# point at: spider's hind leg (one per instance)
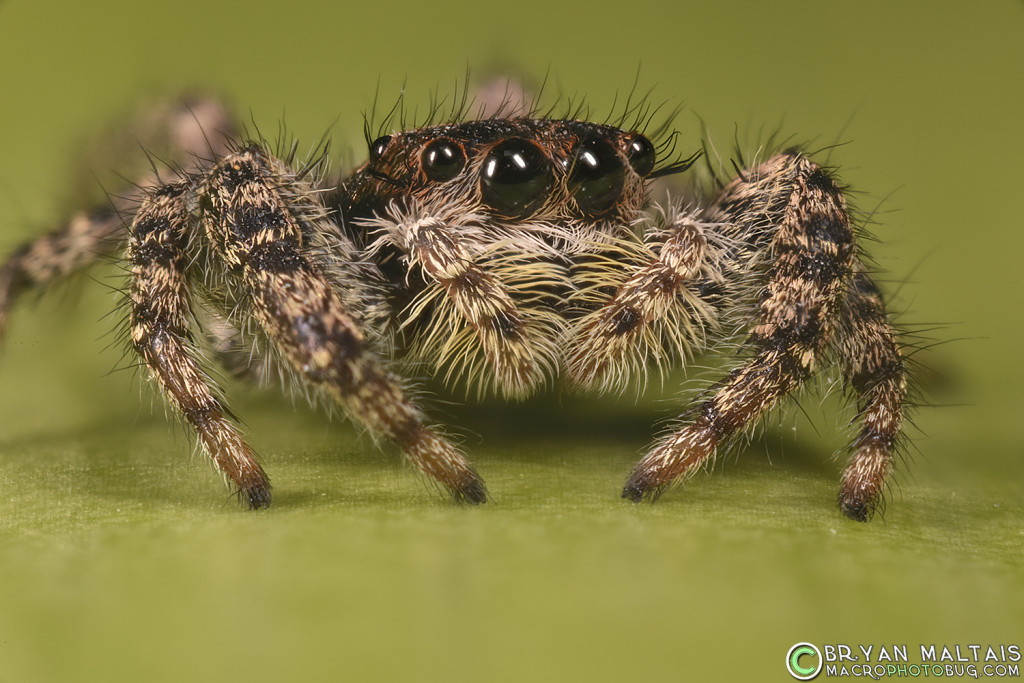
(187, 133)
(87, 238)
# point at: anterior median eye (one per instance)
(596, 176)
(641, 155)
(442, 160)
(516, 178)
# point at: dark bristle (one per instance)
(677, 166)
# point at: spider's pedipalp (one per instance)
(476, 326)
(653, 317)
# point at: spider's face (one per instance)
(514, 170)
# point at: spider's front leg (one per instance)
(158, 251)
(790, 208)
(873, 367)
(264, 225)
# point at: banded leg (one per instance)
(307, 318)
(812, 254)
(86, 239)
(159, 319)
(873, 366)
(189, 132)
(649, 315)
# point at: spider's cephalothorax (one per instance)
(503, 254)
(496, 238)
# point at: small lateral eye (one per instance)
(378, 147)
(442, 160)
(596, 176)
(641, 154)
(516, 178)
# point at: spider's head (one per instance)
(514, 170)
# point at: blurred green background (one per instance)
(122, 558)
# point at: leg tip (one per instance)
(644, 485)
(856, 508)
(257, 496)
(471, 492)
(634, 492)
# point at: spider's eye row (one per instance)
(596, 176)
(641, 154)
(442, 160)
(516, 178)
(378, 147)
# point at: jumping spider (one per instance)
(504, 253)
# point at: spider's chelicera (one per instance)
(504, 254)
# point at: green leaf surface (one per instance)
(123, 557)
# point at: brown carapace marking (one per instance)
(504, 254)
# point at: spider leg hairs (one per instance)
(503, 254)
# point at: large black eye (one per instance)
(641, 155)
(377, 148)
(515, 178)
(442, 160)
(596, 176)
